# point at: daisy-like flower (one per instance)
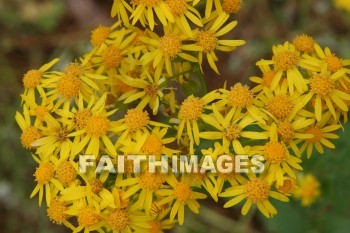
(263, 83)
(322, 131)
(308, 189)
(285, 61)
(257, 191)
(230, 128)
(179, 195)
(191, 110)
(183, 12)
(104, 35)
(323, 88)
(166, 48)
(56, 213)
(239, 98)
(150, 94)
(209, 40)
(32, 82)
(277, 157)
(325, 60)
(288, 187)
(144, 12)
(304, 44)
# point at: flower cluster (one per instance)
(126, 96)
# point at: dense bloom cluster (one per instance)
(126, 96)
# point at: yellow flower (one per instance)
(304, 43)
(30, 133)
(161, 222)
(104, 35)
(209, 40)
(308, 190)
(285, 61)
(56, 212)
(191, 110)
(256, 191)
(179, 195)
(321, 132)
(288, 187)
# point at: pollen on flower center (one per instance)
(280, 106)
(287, 187)
(65, 173)
(322, 85)
(285, 60)
(88, 216)
(182, 192)
(275, 152)
(119, 219)
(286, 131)
(44, 173)
(96, 185)
(81, 117)
(304, 43)
(240, 96)
(257, 190)
(69, 86)
(333, 63)
(268, 78)
(232, 6)
(30, 135)
(232, 132)
(177, 7)
(153, 145)
(112, 57)
(32, 78)
(191, 108)
(316, 132)
(151, 90)
(56, 211)
(207, 40)
(62, 134)
(151, 181)
(74, 69)
(97, 126)
(136, 119)
(99, 35)
(170, 45)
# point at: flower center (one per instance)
(44, 173)
(65, 173)
(333, 63)
(177, 7)
(32, 78)
(99, 35)
(182, 192)
(30, 135)
(153, 145)
(191, 108)
(304, 43)
(151, 181)
(268, 78)
(275, 152)
(136, 119)
(40, 112)
(286, 131)
(61, 134)
(88, 216)
(81, 117)
(170, 45)
(232, 132)
(232, 6)
(280, 106)
(207, 41)
(119, 219)
(69, 86)
(287, 187)
(97, 126)
(240, 96)
(56, 211)
(257, 190)
(151, 90)
(322, 85)
(96, 185)
(112, 57)
(74, 69)
(316, 131)
(285, 60)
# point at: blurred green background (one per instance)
(34, 31)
